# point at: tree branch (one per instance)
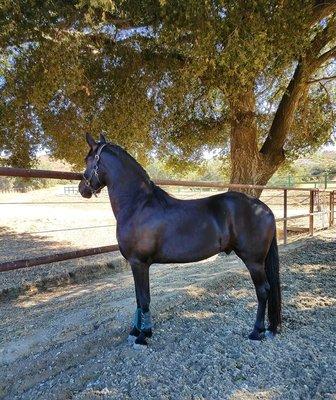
(298, 88)
(326, 56)
(321, 40)
(322, 9)
(283, 118)
(324, 78)
(329, 99)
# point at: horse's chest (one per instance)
(124, 238)
(135, 241)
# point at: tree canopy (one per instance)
(250, 80)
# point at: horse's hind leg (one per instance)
(258, 275)
(142, 325)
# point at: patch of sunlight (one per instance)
(251, 304)
(198, 314)
(244, 394)
(98, 394)
(206, 260)
(195, 292)
(28, 304)
(308, 301)
(310, 269)
(46, 297)
(238, 293)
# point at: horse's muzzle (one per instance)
(84, 190)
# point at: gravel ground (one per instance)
(70, 342)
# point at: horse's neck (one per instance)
(126, 196)
(127, 187)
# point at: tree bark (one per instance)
(248, 165)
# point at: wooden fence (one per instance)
(25, 173)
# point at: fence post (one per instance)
(331, 207)
(285, 217)
(311, 211)
(289, 181)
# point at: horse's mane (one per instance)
(128, 159)
(160, 194)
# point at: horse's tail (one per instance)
(272, 274)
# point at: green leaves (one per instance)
(167, 76)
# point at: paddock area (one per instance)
(69, 342)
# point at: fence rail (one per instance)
(26, 173)
(39, 173)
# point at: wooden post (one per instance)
(285, 217)
(311, 211)
(331, 208)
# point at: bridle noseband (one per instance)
(94, 172)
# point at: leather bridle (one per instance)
(94, 172)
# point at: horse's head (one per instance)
(93, 177)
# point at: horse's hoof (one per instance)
(256, 336)
(148, 333)
(269, 335)
(140, 342)
(141, 347)
(135, 332)
(141, 339)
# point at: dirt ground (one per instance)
(70, 342)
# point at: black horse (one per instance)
(153, 227)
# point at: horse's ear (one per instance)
(90, 141)
(102, 138)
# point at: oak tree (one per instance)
(249, 80)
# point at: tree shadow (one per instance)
(297, 364)
(16, 246)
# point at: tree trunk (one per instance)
(248, 165)
(254, 166)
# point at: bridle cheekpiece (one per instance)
(94, 172)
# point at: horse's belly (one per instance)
(188, 245)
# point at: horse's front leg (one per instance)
(142, 324)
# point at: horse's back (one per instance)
(219, 223)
